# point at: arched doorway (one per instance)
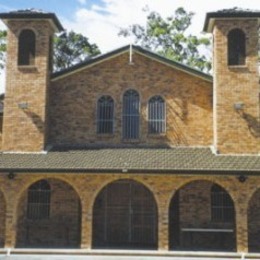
(125, 216)
(202, 217)
(254, 223)
(49, 216)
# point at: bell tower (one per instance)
(28, 69)
(236, 80)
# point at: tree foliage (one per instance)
(168, 37)
(71, 48)
(3, 34)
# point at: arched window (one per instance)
(236, 47)
(105, 115)
(51, 53)
(222, 206)
(156, 115)
(131, 103)
(26, 52)
(38, 206)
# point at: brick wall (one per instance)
(72, 109)
(61, 229)
(163, 187)
(236, 131)
(188, 102)
(2, 220)
(195, 212)
(1, 130)
(24, 129)
(254, 222)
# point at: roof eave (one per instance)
(133, 171)
(89, 63)
(51, 17)
(138, 49)
(175, 64)
(211, 17)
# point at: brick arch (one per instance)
(27, 47)
(253, 218)
(226, 30)
(61, 228)
(100, 95)
(137, 90)
(125, 215)
(239, 49)
(131, 88)
(251, 192)
(162, 95)
(31, 181)
(191, 226)
(20, 30)
(185, 182)
(111, 179)
(235, 28)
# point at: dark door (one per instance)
(125, 216)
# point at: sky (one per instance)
(101, 20)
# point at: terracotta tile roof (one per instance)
(160, 160)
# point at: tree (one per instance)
(3, 34)
(168, 37)
(71, 48)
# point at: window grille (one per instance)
(26, 52)
(156, 115)
(105, 115)
(38, 206)
(125, 216)
(236, 47)
(222, 207)
(131, 103)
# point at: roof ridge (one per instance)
(99, 58)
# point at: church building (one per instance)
(130, 150)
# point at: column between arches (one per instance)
(11, 219)
(163, 196)
(241, 204)
(163, 224)
(86, 220)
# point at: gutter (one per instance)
(136, 171)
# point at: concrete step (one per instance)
(141, 253)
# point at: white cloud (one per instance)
(2, 82)
(101, 23)
(2, 26)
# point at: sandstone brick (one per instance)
(63, 111)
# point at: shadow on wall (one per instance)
(178, 117)
(253, 124)
(79, 131)
(36, 120)
(187, 99)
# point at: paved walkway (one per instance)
(89, 257)
(79, 254)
